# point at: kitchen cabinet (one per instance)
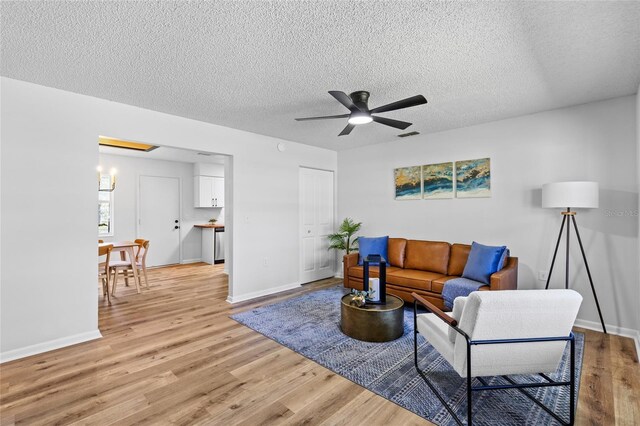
(208, 191)
(212, 243)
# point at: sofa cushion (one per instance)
(430, 256)
(396, 252)
(368, 246)
(374, 272)
(458, 258)
(412, 278)
(482, 262)
(437, 284)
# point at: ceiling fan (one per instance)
(361, 114)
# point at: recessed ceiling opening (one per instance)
(120, 143)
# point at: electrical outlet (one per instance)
(543, 275)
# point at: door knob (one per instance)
(176, 227)
(176, 221)
(309, 231)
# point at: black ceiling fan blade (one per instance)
(347, 129)
(405, 103)
(344, 99)
(323, 117)
(391, 122)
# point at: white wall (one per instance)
(48, 286)
(638, 207)
(588, 142)
(49, 155)
(126, 199)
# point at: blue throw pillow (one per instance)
(503, 259)
(482, 262)
(367, 246)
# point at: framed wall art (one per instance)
(437, 181)
(473, 178)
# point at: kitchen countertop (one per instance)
(209, 225)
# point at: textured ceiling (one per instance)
(256, 66)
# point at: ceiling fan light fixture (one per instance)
(360, 119)
(357, 104)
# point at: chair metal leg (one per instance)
(469, 390)
(572, 389)
(421, 373)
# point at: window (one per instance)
(105, 214)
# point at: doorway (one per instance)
(159, 218)
(316, 223)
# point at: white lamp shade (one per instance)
(580, 195)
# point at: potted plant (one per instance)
(344, 239)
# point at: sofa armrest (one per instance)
(348, 260)
(507, 277)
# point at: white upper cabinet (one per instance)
(208, 191)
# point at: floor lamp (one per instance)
(571, 195)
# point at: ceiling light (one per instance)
(360, 118)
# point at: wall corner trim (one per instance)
(50, 345)
(261, 293)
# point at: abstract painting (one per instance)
(437, 181)
(473, 178)
(408, 183)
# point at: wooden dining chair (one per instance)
(141, 257)
(125, 267)
(104, 269)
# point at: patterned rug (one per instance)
(310, 325)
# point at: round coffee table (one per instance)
(373, 323)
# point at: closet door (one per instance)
(316, 223)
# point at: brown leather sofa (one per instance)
(423, 267)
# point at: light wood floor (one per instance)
(172, 355)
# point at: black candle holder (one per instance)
(382, 266)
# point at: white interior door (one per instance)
(316, 222)
(159, 219)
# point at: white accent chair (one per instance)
(498, 333)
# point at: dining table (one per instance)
(126, 249)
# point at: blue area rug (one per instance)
(310, 325)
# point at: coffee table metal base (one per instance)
(373, 323)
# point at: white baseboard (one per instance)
(49, 346)
(185, 261)
(612, 329)
(262, 293)
(339, 275)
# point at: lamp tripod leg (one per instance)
(555, 252)
(593, 289)
(566, 271)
